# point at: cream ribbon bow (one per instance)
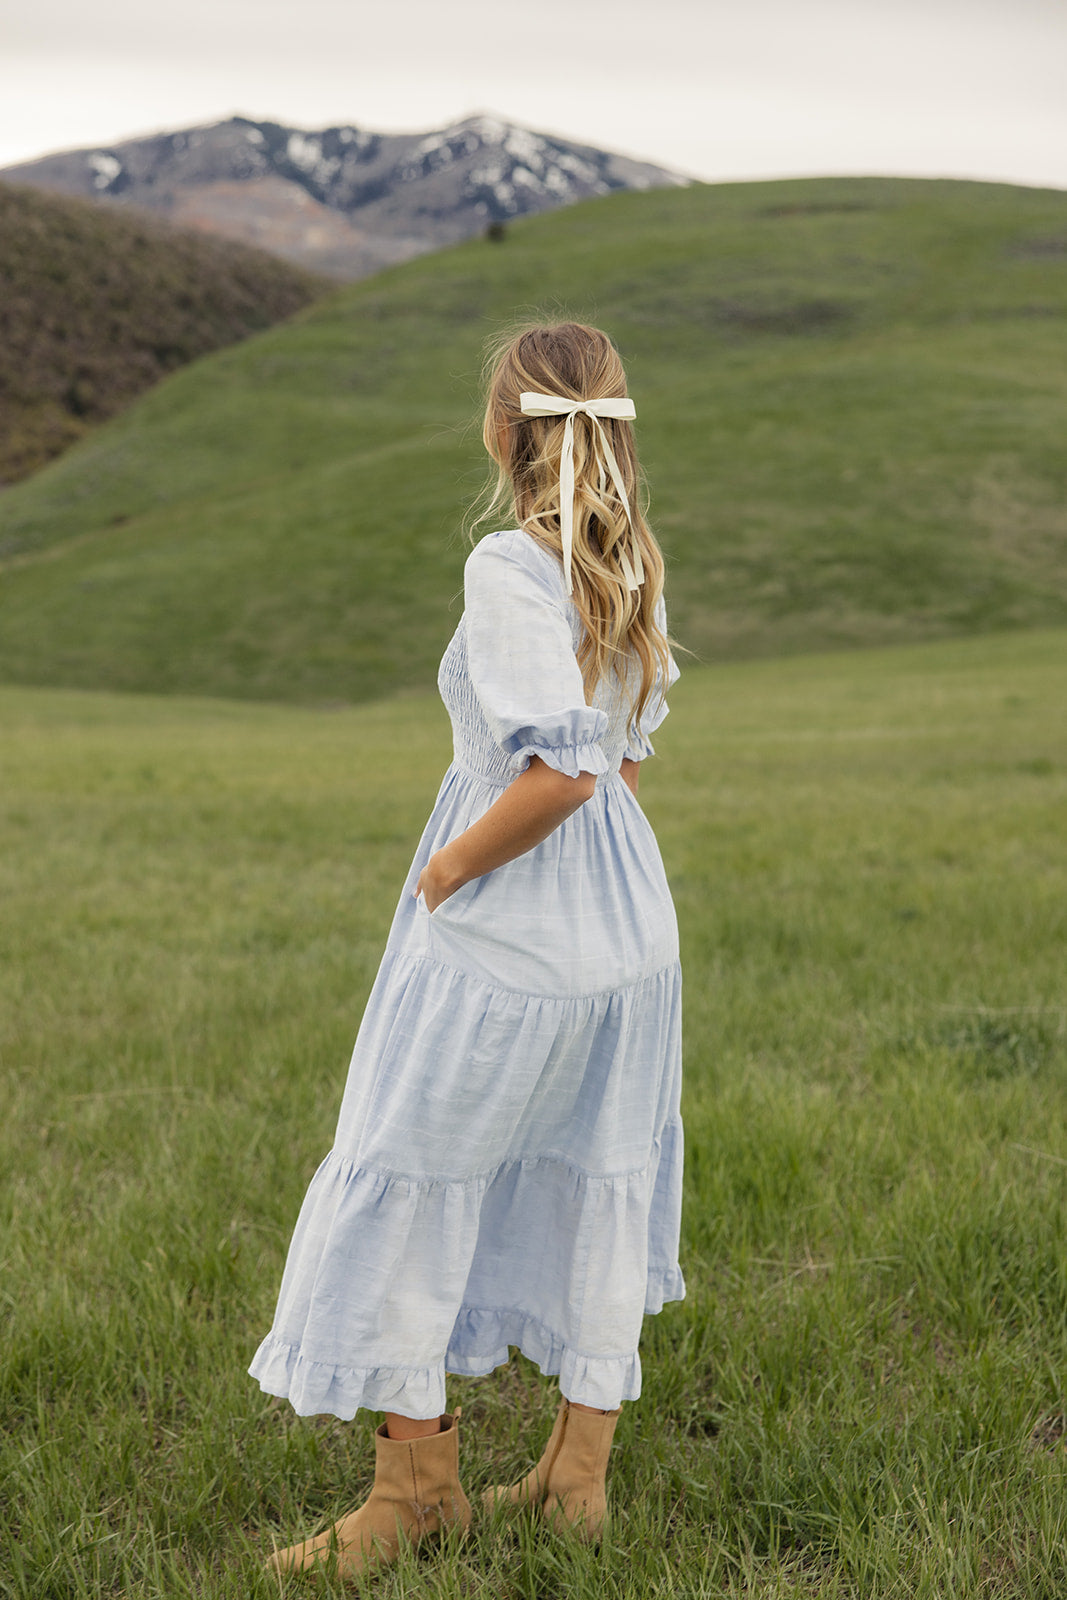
(554, 405)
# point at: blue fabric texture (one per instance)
(508, 1158)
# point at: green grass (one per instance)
(851, 405)
(97, 306)
(863, 1394)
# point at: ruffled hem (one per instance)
(570, 759)
(671, 1286)
(482, 1340)
(317, 1388)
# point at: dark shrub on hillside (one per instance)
(97, 305)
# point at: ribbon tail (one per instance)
(566, 502)
(632, 581)
(633, 571)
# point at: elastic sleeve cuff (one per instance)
(567, 740)
(639, 745)
(569, 759)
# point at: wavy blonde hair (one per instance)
(620, 632)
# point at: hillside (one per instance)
(851, 394)
(342, 200)
(95, 307)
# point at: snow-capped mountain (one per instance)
(342, 200)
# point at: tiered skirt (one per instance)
(507, 1165)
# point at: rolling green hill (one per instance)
(852, 402)
(96, 306)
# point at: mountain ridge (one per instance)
(342, 200)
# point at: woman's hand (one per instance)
(530, 808)
(436, 883)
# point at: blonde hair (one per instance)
(569, 359)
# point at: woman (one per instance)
(507, 1167)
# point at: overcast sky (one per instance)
(717, 88)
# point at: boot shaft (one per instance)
(416, 1494)
(421, 1477)
(568, 1482)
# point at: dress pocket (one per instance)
(455, 902)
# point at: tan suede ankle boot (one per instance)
(567, 1484)
(416, 1493)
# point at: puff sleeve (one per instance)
(638, 743)
(521, 659)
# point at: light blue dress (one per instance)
(508, 1160)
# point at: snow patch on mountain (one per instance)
(106, 168)
(489, 129)
(304, 151)
(530, 162)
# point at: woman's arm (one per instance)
(531, 807)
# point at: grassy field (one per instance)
(863, 1394)
(852, 400)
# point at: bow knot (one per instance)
(552, 405)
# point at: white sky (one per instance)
(717, 88)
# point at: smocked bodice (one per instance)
(510, 678)
(476, 750)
